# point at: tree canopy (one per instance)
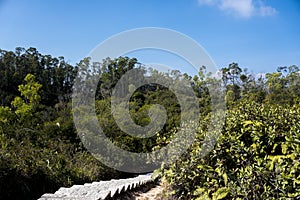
(257, 155)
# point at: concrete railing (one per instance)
(98, 190)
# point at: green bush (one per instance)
(28, 171)
(256, 157)
(40, 150)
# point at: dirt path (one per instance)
(150, 191)
(153, 193)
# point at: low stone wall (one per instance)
(98, 190)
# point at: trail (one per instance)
(154, 193)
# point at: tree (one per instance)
(30, 92)
(111, 72)
(232, 77)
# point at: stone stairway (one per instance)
(98, 190)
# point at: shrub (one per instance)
(256, 157)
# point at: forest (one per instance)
(257, 155)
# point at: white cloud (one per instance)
(206, 2)
(241, 8)
(267, 11)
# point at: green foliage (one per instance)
(256, 157)
(30, 92)
(40, 150)
(54, 74)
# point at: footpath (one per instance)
(141, 187)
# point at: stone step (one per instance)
(98, 190)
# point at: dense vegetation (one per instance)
(256, 157)
(40, 150)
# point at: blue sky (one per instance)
(258, 34)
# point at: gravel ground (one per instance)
(154, 193)
(149, 191)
